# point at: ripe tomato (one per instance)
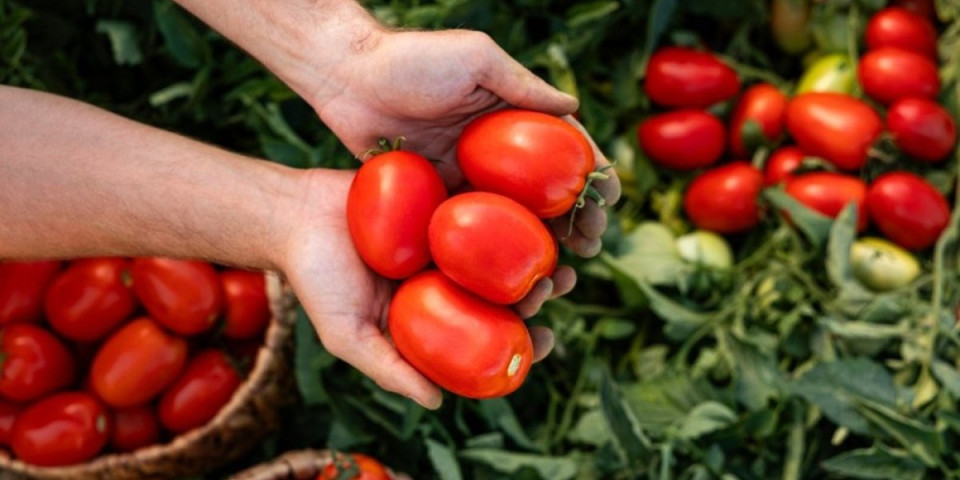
(536, 159)
(789, 23)
(246, 306)
(62, 429)
(724, 199)
(782, 163)
(922, 128)
(907, 209)
(22, 287)
(90, 298)
(136, 363)
(829, 192)
(682, 139)
(762, 104)
(889, 74)
(133, 428)
(924, 8)
(388, 209)
(834, 126)
(366, 468)
(834, 72)
(9, 412)
(491, 245)
(205, 386)
(901, 28)
(184, 296)
(34, 362)
(680, 77)
(461, 342)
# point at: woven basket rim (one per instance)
(304, 464)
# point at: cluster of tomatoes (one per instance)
(353, 466)
(115, 354)
(820, 140)
(465, 258)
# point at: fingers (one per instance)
(574, 239)
(609, 188)
(542, 342)
(562, 281)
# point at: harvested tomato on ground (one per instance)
(681, 77)
(907, 209)
(62, 429)
(725, 199)
(90, 298)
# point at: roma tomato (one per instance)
(34, 363)
(922, 129)
(22, 287)
(706, 249)
(389, 206)
(205, 386)
(789, 22)
(724, 199)
(901, 28)
(682, 139)
(9, 412)
(834, 126)
(536, 159)
(491, 245)
(889, 74)
(782, 163)
(362, 466)
(62, 429)
(136, 363)
(924, 8)
(184, 296)
(680, 77)
(133, 428)
(90, 298)
(907, 209)
(834, 72)
(246, 306)
(829, 192)
(456, 339)
(881, 265)
(763, 105)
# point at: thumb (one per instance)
(506, 78)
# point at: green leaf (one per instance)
(842, 234)
(590, 429)
(628, 436)
(499, 413)
(443, 460)
(559, 468)
(649, 254)
(615, 328)
(705, 418)
(839, 388)
(661, 14)
(920, 439)
(123, 41)
(877, 463)
(310, 359)
(183, 41)
(170, 93)
(814, 225)
(583, 13)
(757, 377)
(948, 377)
(665, 401)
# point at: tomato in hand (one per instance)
(246, 306)
(456, 339)
(680, 77)
(136, 363)
(782, 163)
(889, 74)
(90, 298)
(922, 129)
(204, 387)
(682, 139)
(389, 206)
(133, 428)
(184, 296)
(724, 199)
(33, 362)
(836, 127)
(9, 412)
(22, 287)
(829, 192)
(901, 28)
(366, 468)
(907, 209)
(536, 159)
(763, 105)
(62, 429)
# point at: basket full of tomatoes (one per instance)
(312, 464)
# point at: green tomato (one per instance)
(789, 22)
(881, 265)
(705, 248)
(834, 72)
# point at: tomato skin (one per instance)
(724, 199)
(491, 245)
(837, 127)
(90, 298)
(34, 362)
(834, 72)
(246, 306)
(370, 468)
(889, 74)
(456, 339)
(782, 163)
(22, 287)
(682, 139)
(136, 363)
(9, 412)
(907, 209)
(680, 77)
(388, 209)
(133, 428)
(829, 192)
(922, 129)
(62, 429)
(538, 160)
(184, 296)
(901, 28)
(204, 387)
(761, 103)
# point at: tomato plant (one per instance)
(829, 192)
(782, 163)
(682, 139)
(763, 105)
(22, 287)
(901, 28)
(907, 209)
(184, 296)
(837, 127)
(889, 74)
(90, 298)
(724, 199)
(882, 265)
(204, 387)
(246, 311)
(681, 77)
(34, 362)
(922, 129)
(62, 429)
(133, 427)
(363, 467)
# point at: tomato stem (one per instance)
(589, 191)
(384, 146)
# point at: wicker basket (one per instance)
(295, 465)
(252, 413)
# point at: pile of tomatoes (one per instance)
(465, 258)
(114, 354)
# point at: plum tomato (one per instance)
(834, 126)
(924, 8)
(922, 129)
(134, 427)
(184, 296)
(90, 298)
(681, 77)
(901, 28)
(22, 288)
(882, 265)
(725, 199)
(829, 192)
(205, 386)
(889, 74)
(246, 311)
(9, 411)
(907, 209)
(62, 429)
(781, 164)
(682, 139)
(833, 72)
(765, 106)
(364, 467)
(33, 362)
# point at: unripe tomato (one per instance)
(881, 265)
(90, 298)
(789, 22)
(724, 199)
(34, 363)
(62, 429)
(834, 72)
(680, 77)
(829, 192)
(388, 209)
(705, 248)
(134, 427)
(366, 468)
(682, 139)
(22, 287)
(782, 163)
(907, 209)
(459, 341)
(889, 74)
(246, 310)
(9, 412)
(901, 28)
(836, 127)
(538, 160)
(763, 105)
(184, 296)
(922, 129)
(205, 386)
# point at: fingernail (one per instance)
(433, 402)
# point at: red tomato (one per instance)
(136, 363)
(22, 287)
(829, 192)
(537, 159)
(8, 416)
(682, 139)
(34, 363)
(491, 245)
(62, 429)
(246, 306)
(388, 209)
(924, 8)
(922, 129)
(680, 77)
(205, 386)
(781, 165)
(762, 104)
(834, 126)
(907, 209)
(133, 428)
(184, 296)
(367, 468)
(724, 199)
(90, 298)
(889, 74)
(901, 28)
(461, 342)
